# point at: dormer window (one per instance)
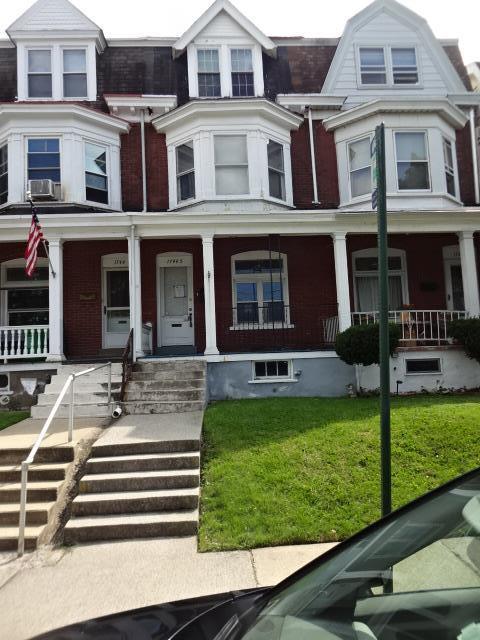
(404, 65)
(74, 73)
(208, 73)
(39, 73)
(372, 65)
(242, 72)
(388, 66)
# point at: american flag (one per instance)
(35, 236)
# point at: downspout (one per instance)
(474, 156)
(144, 161)
(312, 157)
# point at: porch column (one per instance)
(341, 278)
(469, 273)
(55, 301)
(209, 288)
(135, 292)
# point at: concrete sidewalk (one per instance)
(52, 588)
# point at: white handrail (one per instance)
(29, 460)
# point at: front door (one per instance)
(453, 279)
(176, 300)
(116, 302)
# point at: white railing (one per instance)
(430, 326)
(69, 384)
(23, 342)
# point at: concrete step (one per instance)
(81, 411)
(87, 387)
(66, 369)
(43, 455)
(168, 375)
(88, 504)
(36, 491)
(36, 513)
(139, 480)
(9, 537)
(49, 399)
(157, 385)
(164, 395)
(102, 450)
(143, 462)
(134, 525)
(52, 471)
(145, 408)
(183, 366)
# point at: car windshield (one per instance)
(415, 575)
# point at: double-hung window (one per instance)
(231, 165)
(449, 167)
(74, 73)
(3, 174)
(404, 65)
(276, 170)
(412, 160)
(185, 172)
(26, 298)
(96, 176)
(209, 85)
(242, 72)
(43, 159)
(366, 280)
(39, 73)
(372, 65)
(360, 167)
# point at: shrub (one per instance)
(467, 332)
(360, 344)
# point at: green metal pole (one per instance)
(383, 322)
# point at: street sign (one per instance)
(373, 156)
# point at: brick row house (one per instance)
(213, 192)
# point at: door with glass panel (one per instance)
(116, 302)
(175, 277)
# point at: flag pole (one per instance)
(33, 210)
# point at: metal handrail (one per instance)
(70, 383)
(127, 364)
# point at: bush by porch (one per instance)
(291, 470)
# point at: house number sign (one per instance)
(175, 261)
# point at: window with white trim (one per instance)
(388, 66)
(25, 300)
(413, 172)
(276, 170)
(404, 65)
(449, 167)
(231, 165)
(365, 272)
(360, 167)
(39, 73)
(43, 159)
(260, 289)
(422, 365)
(208, 73)
(272, 369)
(74, 73)
(372, 65)
(242, 72)
(4, 174)
(96, 176)
(185, 172)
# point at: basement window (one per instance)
(272, 370)
(4, 382)
(423, 365)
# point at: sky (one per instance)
(316, 18)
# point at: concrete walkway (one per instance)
(52, 588)
(23, 434)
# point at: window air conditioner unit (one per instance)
(42, 189)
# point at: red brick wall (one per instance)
(82, 276)
(311, 282)
(13, 250)
(326, 168)
(465, 166)
(149, 251)
(157, 171)
(424, 260)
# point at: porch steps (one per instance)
(91, 392)
(45, 480)
(137, 490)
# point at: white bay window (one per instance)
(185, 172)
(412, 161)
(449, 167)
(231, 165)
(276, 170)
(3, 174)
(96, 178)
(360, 167)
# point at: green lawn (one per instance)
(293, 470)
(8, 418)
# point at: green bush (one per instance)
(467, 332)
(360, 344)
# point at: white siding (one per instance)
(223, 27)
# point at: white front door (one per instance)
(175, 277)
(453, 278)
(116, 301)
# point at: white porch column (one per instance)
(341, 279)
(209, 288)
(135, 292)
(469, 273)
(55, 301)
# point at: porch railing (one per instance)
(418, 326)
(26, 342)
(127, 364)
(250, 315)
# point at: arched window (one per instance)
(260, 290)
(365, 275)
(24, 301)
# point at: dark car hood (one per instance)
(163, 621)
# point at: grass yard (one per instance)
(296, 470)
(7, 418)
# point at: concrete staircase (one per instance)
(164, 386)
(137, 490)
(45, 479)
(90, 392)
